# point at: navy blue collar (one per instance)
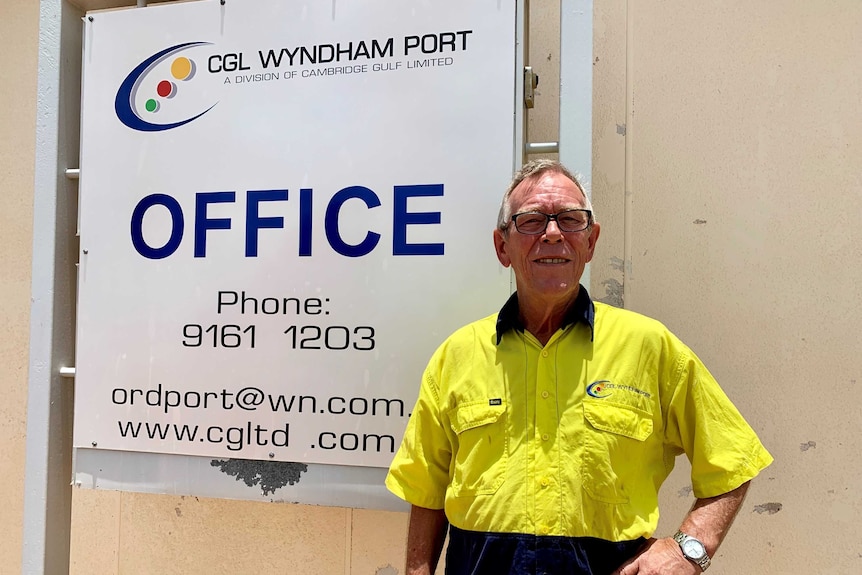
(582, 310)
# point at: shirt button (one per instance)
(545, 353)
(545, 437)
(544, 482)
(545, 394)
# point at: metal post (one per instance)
(522, 44)
(48, 467)
(576, 91)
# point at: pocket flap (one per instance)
(474, 414)
(619, 419)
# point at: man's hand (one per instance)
(658, 557)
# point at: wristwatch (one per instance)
(693, 549)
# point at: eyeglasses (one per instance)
(534, 223)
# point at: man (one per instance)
(542, 434)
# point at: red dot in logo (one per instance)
(164, 88)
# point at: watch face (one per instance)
(693, 549)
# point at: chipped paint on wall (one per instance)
(270, 475)
(770, 508)
(613, 293)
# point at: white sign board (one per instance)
(285, 207)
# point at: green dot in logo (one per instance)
(151, 105)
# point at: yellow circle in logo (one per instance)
(181, 68)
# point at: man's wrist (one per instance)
(693, 549)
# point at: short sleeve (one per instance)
(419, 473)
(723, 449)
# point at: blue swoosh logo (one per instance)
(595, 388)
(123, 104)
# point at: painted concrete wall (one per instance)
(19, 23)
(728, 140)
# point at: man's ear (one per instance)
(594, 237)
(500, 246)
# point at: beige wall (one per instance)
(727, 175)
(117, 532)
(19, 21)
(727, 147)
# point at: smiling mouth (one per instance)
(551, 261)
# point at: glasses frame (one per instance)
(553, 217)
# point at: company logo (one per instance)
(151, 87)
(598, 389)
(602, 389)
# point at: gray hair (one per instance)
(532, 170)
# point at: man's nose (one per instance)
(552, 233)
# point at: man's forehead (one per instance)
(548, 186)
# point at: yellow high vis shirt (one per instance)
(573, 438)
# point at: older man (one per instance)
(542, 433)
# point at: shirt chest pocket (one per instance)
(482, 453)
(615, 450)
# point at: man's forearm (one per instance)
(425, 538)
(710, 519)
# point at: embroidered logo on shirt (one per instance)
(496, 401)
(598, 389)
(602, 389)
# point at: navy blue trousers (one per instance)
(475, 553)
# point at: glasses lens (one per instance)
(573, 220)
(531, 222)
